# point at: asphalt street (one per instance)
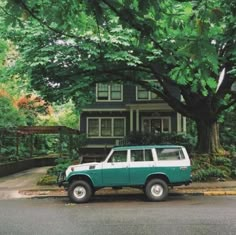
(181, 214)
(110, 213)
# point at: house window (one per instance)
(93, 127)
(143, 94)
(156, 124)
(109, 92)
(106, 127)
(115, 91)
(119, 127)
(102, 91)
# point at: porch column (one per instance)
(184, 125)
(179, 119)
(137, 120)
(131, 120)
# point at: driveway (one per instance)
(12, 184)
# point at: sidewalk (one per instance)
(205, 189)
(24, 185)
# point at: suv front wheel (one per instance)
(79, 191)
(156, 190)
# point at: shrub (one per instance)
(61, 165)
(47, 180)
(207, 167)
(140, 138)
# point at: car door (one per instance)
(142, 165)
(174, 164)
(115, 171)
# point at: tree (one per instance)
(10, 115)
(33, 106)
(184, 45)
(62, 115)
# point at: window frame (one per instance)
(117, 152)
(109, 91)
(175, 154)
(144, 155)
(149, 93)
(100, 127)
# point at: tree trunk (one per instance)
(208, 137)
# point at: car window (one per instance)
(141, 155)
(170, 154)
(118, 156)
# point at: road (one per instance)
(119, 215)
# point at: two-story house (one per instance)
(124, 108)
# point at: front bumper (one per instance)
(61, 180)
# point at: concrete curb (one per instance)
(46, 193)
(219, 193)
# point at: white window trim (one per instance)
(161, 118)
(99, 127)
(149, 94)
(109, 94)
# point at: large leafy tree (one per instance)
(188, 46)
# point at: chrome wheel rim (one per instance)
(157, 190)
(79, 192)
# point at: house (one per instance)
(124, 108)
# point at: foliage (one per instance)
(62, 115)
(61, 165)
(141, 138)
(228, 131)
(186, 46)
(207, 168)
(63, 162)
(3, 52)
(47, 180)
(32, 106)
(10, 115)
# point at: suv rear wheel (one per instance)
(80, 191)
(156, 190)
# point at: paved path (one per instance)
(25, 180)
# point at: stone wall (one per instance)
(14, 167)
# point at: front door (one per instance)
(116, 170)
(156, 124)
(151, 125)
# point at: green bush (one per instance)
(208, 174)
(140, 138)
(207, 167)
(47, 180)
(61, 165)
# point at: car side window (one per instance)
(141, 155)
(170, 154)
(118, 156)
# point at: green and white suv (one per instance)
(153, 168)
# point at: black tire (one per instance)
(156, 190)
(80, 191)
